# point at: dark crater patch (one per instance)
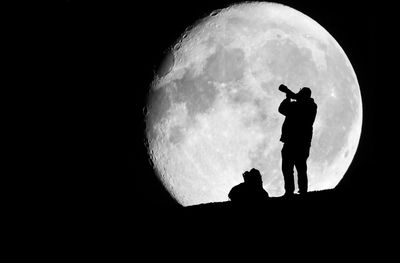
(166, 65)
(225, 65)
(176, 134)
(197, 92)
(157, 107)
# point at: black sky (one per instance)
(109, 53)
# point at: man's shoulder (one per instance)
(312, 103)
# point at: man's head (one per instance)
(304, 94)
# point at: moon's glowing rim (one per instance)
(186, 43)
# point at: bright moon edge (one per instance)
(354, 135)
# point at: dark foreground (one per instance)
(320, 225)
(322, 215)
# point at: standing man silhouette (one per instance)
(296, 136)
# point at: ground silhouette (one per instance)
(289, 221)
(328, 218)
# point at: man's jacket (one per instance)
(298, 125)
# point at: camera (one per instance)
(288, 92)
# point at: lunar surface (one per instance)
(212, 110)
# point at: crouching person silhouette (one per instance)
(300, 111)
(251, 191)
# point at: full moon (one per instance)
(212, 109)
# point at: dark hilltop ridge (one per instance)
(308, 199)
(317, 204)
(251, 197)
(346, 214)
(333, 219)
(316, 207)
(326, 215)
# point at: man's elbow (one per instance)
(282, 110)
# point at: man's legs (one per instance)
(287, 168)
(301, 167)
